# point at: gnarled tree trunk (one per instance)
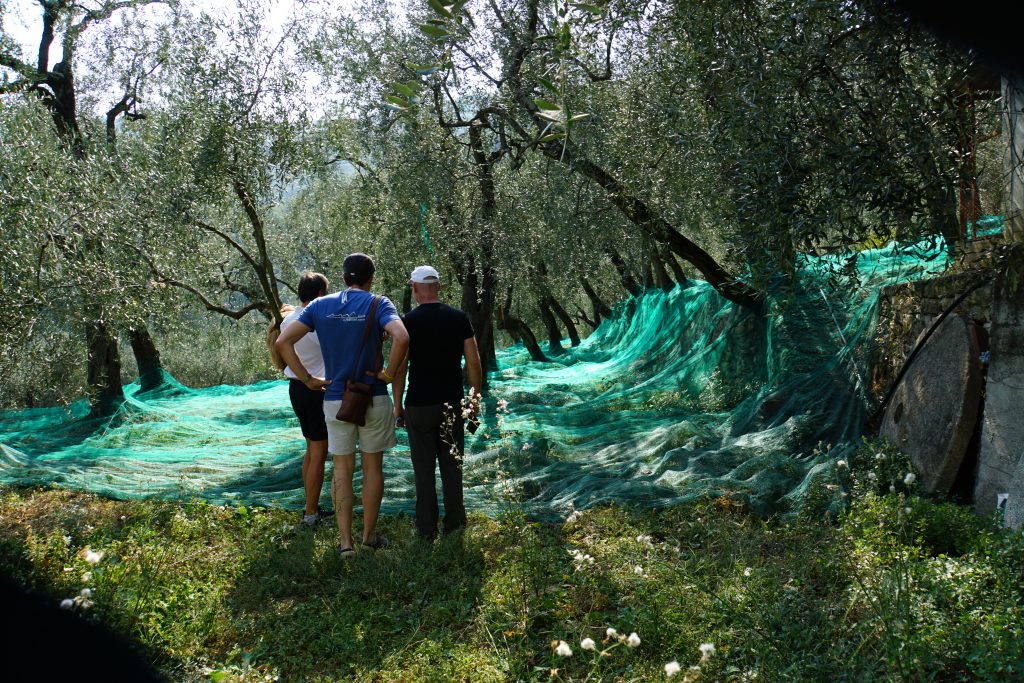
(103, 371)
(629, 282)
(519, 330)
(554, 332)
(600, 308)
(481, 281)
(570, 326)
(661, 276)
(147, 358)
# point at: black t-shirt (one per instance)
(437, 333)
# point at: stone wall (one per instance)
(906, 311)
(993, 470)
(993, 314)
(1000, 459)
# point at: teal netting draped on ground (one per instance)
(681, 394)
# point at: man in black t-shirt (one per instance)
(439, 338)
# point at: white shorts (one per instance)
(376, 436)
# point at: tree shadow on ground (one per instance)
(317, 615)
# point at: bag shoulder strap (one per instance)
(366, 333)
(369, 319)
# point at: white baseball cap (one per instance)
(424, 275)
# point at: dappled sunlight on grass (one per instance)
(241, 594)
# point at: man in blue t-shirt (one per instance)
(340, 322)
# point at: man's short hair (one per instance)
(357, 269)
(310, 286)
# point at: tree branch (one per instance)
(24, 70)
(476, 65)
(230, 240)
(266, 69)
(265, 270)
(105, 11)
(210, 306)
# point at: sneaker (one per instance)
(346, 553)
(378, 542)
(312, 520)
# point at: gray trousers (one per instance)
(436, 438)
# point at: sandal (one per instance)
(346, 553)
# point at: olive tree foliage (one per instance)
(760, 129)
(511, 76)
(483, 213)
(40, 295)
(235, 139)
(827, 125)
(72, 228)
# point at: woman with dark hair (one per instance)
(307, 403)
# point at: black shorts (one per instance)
(309, 408)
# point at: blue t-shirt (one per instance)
(339, 320)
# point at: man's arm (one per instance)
(398, 390)
(399, 348)
(474, 371)
(285, 346)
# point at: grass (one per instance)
(896, 587)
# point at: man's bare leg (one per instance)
(373, 491)
(341, 488)
(313, 473)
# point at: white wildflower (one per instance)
(892, 488)
(563, 649)
(906, 511)
(633, 640)
(638, 570)
(841, 464)
(611, 632)
(93, 556)
(588, 644)
(86, 593)
(872, 476)
(879, 456)
(87, 577)
(671, 669)
(466, 414)
(748, 571)
(706, 650)
(526, 446)
(67, 603)
(910, 478)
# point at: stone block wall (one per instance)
(906, 311)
